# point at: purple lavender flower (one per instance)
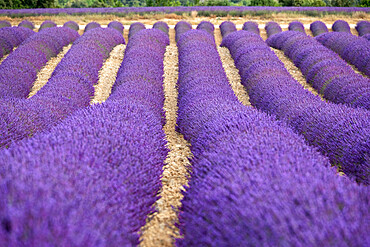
(296, 26)
(227, 27)
(318, 27)
(251, 26)
(363, 27)
(47, 24)
(161, 26)
(72, 24)
(116, 25)
(272, 28)
(181, 28)
(27, 24)
(5, 24)
(11, 37)
(134, 28)
(91, 25)
(341, 26)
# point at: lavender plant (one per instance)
(116, 25)
(180, 28)
(341, 26)
(11, 37)
(251, 26)
(134, 28)
(91, 26)
(5, 24)
(318, 27)
(296, 26)
(27, 24)
(272, 28)
(47, 24)
(227, 27)
(363, 28)
(161, 26)
(72, 24)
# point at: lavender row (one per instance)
(363, 28)
(254, 181)
(71, 24)
(318, 27)
(116, 25)
(11, 37)
(353, 49)
(340, 132)
(181, 28)
(27, 24)
(92, 180)
(341, 26)
(161, 26)
(5, 24)
(272, 28)
(47, 24)
(251, 27)
(227, 27)
(180, 10)
(70, 87)
(19, 70)
(323, 69)
(91, 25)
(135, 28)
(296, 26)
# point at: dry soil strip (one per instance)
(160, 229)
(108, 74)
(295, 72)
(44, 74)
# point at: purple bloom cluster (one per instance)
(27, 24)
(324, 69)
(363, 28)
(91, 25)
(161, 26)
(341, 26)
(19, 70)
(11, 37)
(93, 179)
(116, 25)
(181, 28)
(251, 26)
(207, 26)
(47, 24)
(134, 28)
(5, 24)
(254, 181)
(73, 25)
(318, 27)
(272, 28)
(227, 27)
(353, 49)
(69, 88)
(296, 26)
(340, 132)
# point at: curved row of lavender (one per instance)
(47, 24)
(161, 26)
(92, 180)
(19, 70)
(251, 26)
(363, 28)
(296, 26)
(318, 27)
(27, 24)
(340, 132)
(324, 69)
(11, 37)
(70, 88)
(180, 28)
(5, 24)
(71, 24)
(341, 26)
(254, 181)
(353, 49)
(272, 28)
(91, 25)
(116, 25)
(135, 28)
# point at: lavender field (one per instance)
(184, 135)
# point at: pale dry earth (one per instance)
(108, 74)
(45, 73)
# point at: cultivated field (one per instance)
(166, 130)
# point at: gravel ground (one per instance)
(108, 74)
(44, 74)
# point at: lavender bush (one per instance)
(134, 28)
(318, 27)
(116, 25)
(272, 28)
(296, 26)
(251, 26)
(227, 27)
(340, 132)
(351, 48)
(27, 24)
(180, 28)
(161, 26)
(47, 24)
(363, 27)
(5, 24)
(91, 180)
(19, 70)
(72, 24)
(70, 87)
(207, 26)
(254, 181)
(91, 25)
(341, 26)
(324, 69)
(11, 37)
